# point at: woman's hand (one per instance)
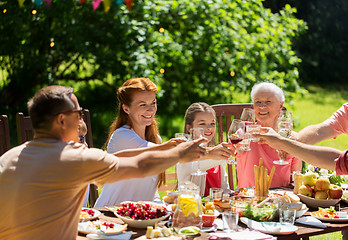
(220, 152)
(171, 143)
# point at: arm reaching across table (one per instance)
(324, 157)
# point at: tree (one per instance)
(193, 50)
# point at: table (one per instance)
(303, 231)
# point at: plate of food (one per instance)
(330, 215)
(140, 214)
(88, 214)
(100, 227)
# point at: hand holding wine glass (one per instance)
(196, 133)
(236, 135)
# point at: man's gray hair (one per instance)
(278, 92)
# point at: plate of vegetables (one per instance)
(330, 215)
(266, 212)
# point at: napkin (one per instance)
(243, 235)
(122, 236)
(311, 221)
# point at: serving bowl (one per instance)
(266, 212)
(138, 223)
(315, 203)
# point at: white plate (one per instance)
(90, 227)
(341, 219)
(95, 215)
(270, 227)
(315, 203)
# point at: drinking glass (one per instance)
(184, 136)
(196, 133)
(215, 193)
(284, 127)
(253, 129)
(287, 216)
(230, 221)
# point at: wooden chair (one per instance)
(5, 143)
(171, 182)
(87, 119)
(225, 113)
(25, 131)
(93, 189)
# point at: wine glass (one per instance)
(196, 133)
(235, 135)
(183, 136)
(248, 116)
(284, 127)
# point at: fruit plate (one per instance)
(315, 203)
(141, 223)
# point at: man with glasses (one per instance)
(43, 181)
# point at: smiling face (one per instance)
(205, 120)
(142, 109)
(267, 106)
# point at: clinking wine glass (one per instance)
(248, 116)
(196, 133)
(235, 135)
(284, 128)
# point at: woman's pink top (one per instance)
(247, 160)
(339, 120)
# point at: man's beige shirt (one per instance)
(42, 186)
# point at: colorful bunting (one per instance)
(38, 2)
(48, 2)
(20, 2)
(129, 4)
(96, 4)
(107, 5)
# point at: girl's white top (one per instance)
(135, 189)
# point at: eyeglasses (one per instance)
(79, 111)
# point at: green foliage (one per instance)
(208, 50)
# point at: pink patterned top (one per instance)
(339, 120)
(247, 160)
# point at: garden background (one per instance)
(212, 51)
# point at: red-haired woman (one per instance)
(134, 127)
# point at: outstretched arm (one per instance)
(148, 163)
(323, 157)
(313, 134)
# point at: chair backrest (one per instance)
(25, 131)
(87, 118)
(171, 182)
(5, 143)
(224, 114)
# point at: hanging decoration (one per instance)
(20, 2)
(96, 4)
(107, 5)
(48, 2)
(38, 2)
(129, 4)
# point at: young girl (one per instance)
(202, 115)
(134, 127)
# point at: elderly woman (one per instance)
(268, 100)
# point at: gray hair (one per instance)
(278, 92)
